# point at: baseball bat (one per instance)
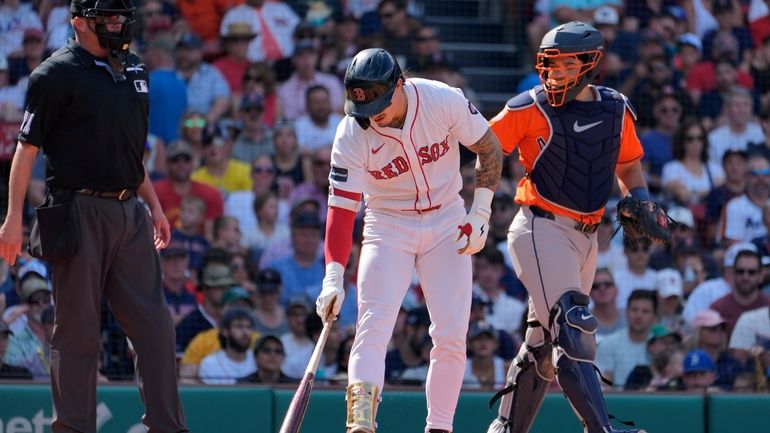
(292, 421)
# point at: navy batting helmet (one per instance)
(571, 40)
(123, 10)
(370, 82)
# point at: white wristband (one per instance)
(334, 274)
(482, 201)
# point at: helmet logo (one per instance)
(359, 94)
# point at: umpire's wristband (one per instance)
(640, 193)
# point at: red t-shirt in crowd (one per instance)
(171, 202)
(731, 310)
(703, 77)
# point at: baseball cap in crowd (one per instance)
(189, 40)
(690, 39)
(33, 266)
(252, 100)
(178, 148)
(733, 251)
(236, 293)
(682, 215)
(32, 284)
(262, 341)
(418, 316)
(5, 329)
(482, 327)
(218, 275)
(268, 280)
(173, 249)
(659, 331)
(698, 360)
(676, 12)
(304, 45)
(606, 15)
(239, 30)
(306, 220)
(32, 33)
(707, 318)
(299, 300)
(669, 283)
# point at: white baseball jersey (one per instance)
(410, 180)
(413, 169)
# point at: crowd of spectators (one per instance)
(245, 98)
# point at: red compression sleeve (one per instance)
(339, 235)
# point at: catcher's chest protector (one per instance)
(576, 168)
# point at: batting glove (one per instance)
(329, 302)
(475, 227)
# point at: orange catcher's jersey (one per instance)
(416, 168)
(528, 129)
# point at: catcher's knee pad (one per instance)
(362, 399)
(527, 382)
(574, 325)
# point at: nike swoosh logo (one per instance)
(482, 230)
(582, 317)
(374, 151)
(581, 128)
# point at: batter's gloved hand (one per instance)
(329, 302)
(475, 226)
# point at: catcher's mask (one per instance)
(576, 40)
(370, 81)
(103, 12)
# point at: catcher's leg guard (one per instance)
(362, 400)
(575, 326)
(527, 382)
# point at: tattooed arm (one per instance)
(489, 162)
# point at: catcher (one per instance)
(574, 139)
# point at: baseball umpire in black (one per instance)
(87, 110)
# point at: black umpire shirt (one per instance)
(90, 123)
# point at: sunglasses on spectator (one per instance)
(387, 15)
(720, 327)
(761, 172)
(740, 271)
(689, 138)
(254, 78)
(260, 170)
(39, 300)
(195, 123)
(271, 350)
(180, 158)
(602, 285)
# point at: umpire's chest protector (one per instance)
(576, 166)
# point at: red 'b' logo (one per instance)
(359, 94)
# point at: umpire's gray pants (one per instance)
(116, 259)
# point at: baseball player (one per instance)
(574, 139)
(397, 148)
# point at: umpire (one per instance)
(87, 110)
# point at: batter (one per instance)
(398, 150)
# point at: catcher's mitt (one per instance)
(644, 219)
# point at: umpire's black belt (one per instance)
(581, 227)
(121, 195)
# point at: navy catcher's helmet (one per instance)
(574, 39)
(370, 82)
(124, 10)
